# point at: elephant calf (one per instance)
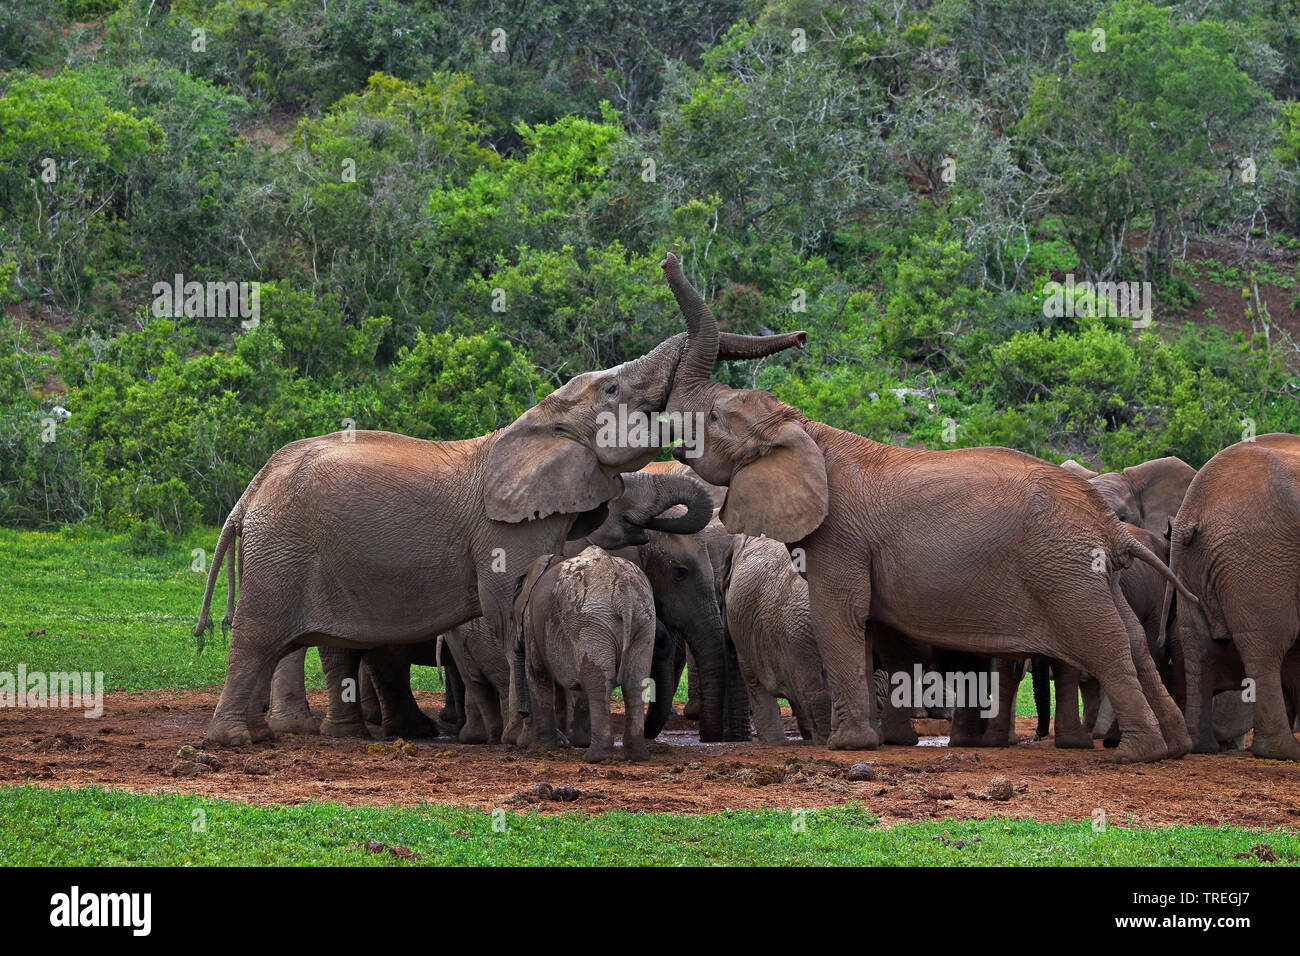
(587, 624)
(770, 623)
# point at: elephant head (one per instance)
(640, 509)
(752, 443)
(1146, 495)
(563, 455)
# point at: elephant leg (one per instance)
(452, 716)
(766, 713)
(541, 688)
(1090, 691)
(289, 712)
(391, 672)
(895, 721)
(1262, 660)
(1170, 719)
(252, 655)
(634, 703)
(1069, 731)
(1107, 722)
(482, 714)
(735, 701)
(343, 716)
(596, 684)
(692, 709)
(1199, 681)
(1040, 668)
(1103, 651)
(372, 711)
(578, 723)
(841, 633)
(662, 673)
(1001, 730)
(258, 729)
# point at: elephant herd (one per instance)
(545, 565)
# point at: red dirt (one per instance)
(133, 747)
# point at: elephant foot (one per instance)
(410, 726)
(636, 750)
(228, 733)
(1043, 730)
(547, 741)
(298, 722)
(1205, 744)
(473, 735)
(1073, 740)
(1140, 748)
(904, 736)
(964, 739)
(597, 754)
(449, 717)
(853, 736)
(1275, 746)
(372, 713)
(260, 731)
(1178, 742)
(692, 710)
(330, 727)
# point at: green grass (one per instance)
(85, 600)
(103, 606)
(108, 827)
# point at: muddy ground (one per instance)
(134, 746)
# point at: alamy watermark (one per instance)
(32, 689)
(922, 688)
(1130, 300)
(208, 300)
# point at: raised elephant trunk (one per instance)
(704, 344)
(701, 352)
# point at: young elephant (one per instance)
(587, 623)
(770, 623)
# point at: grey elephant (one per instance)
(770, 622)
(1236, 543)
(362, 539)
(587, 624)
(985, 550)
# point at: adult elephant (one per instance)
(361, 539)
(984, 550)
(1236, 543)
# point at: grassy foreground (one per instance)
(110, 827)
(87, 600)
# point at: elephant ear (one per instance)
(781, 494)
(1074, 468)
(534, 471)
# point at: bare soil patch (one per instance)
(135, 746)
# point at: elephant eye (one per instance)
(680, 571)
(611, 388)
(713, 417)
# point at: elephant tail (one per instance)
(226, 542)
(1129, 545)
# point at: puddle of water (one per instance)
(932, 742)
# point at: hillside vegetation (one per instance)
(451, 208)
